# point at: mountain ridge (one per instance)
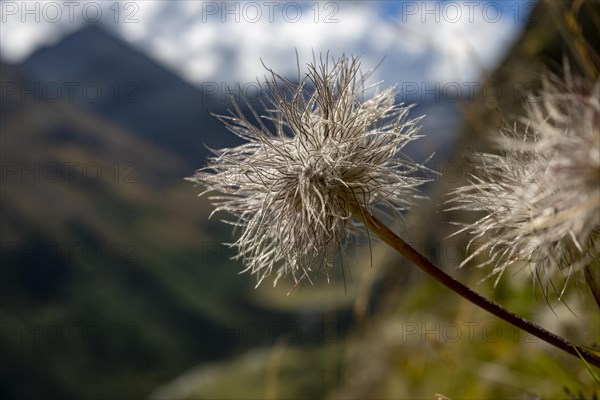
(98, 71)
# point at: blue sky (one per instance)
(206, 41)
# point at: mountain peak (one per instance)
(104, 74)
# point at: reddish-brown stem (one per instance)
(424, 264)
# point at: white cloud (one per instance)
(191, 37)
(25, 27)
(200, 37)
(199, 67)
(459, 45)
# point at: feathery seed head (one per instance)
(319, 148)
(540, 197)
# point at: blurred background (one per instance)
(114, 283)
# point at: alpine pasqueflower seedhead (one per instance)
(319, 149)
(540, 197)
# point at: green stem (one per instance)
(424, 264)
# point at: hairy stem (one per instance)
(424, 264)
